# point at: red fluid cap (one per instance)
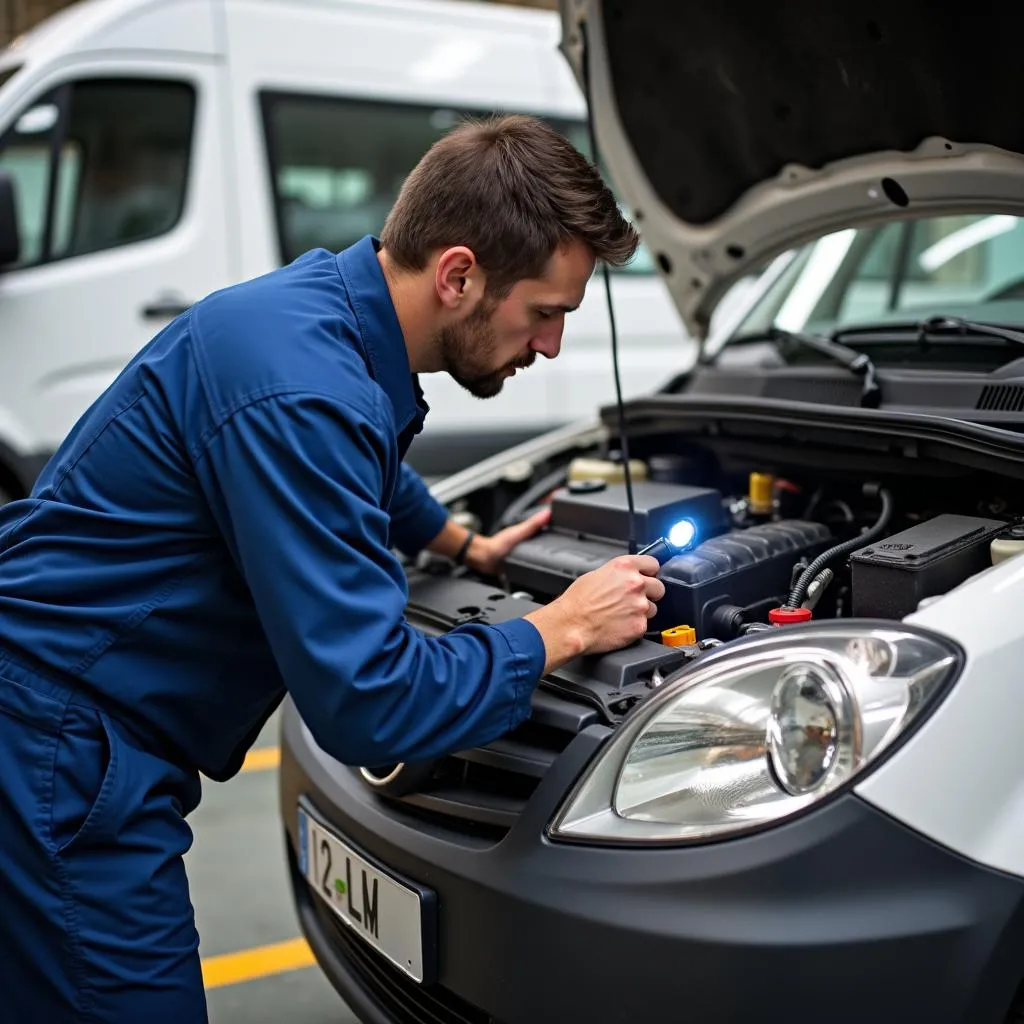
(789, 616)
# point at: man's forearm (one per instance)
(448, 543)
(563, 638)
(449, 540)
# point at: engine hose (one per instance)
(532, 495)
(798, 594)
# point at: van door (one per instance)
(121, 211)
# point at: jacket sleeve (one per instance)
(296, 483)
(416, 517)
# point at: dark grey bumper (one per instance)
(842, 915)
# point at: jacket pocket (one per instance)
(85, 774)
(29, 729)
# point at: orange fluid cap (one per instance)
(679, 636)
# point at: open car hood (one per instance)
(736, 132)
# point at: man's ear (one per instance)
(458, 279)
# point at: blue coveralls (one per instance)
(216, 529)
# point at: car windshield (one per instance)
(900, 272)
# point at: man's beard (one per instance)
(468, 349)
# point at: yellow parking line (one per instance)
(261, 759)
(249, 964)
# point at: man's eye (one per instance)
(545, 314)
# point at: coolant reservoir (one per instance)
(606, 470)
(1009, 544)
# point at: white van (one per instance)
(160, 149)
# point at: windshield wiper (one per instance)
(856, 362)
(935, 327)
(834, 345)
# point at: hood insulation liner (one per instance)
(716, 97)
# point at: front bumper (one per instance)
(842, 915)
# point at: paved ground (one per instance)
(258, 971)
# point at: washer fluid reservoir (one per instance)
(1009, 544)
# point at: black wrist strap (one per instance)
(460, 555)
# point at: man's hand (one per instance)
(486, 555)
(601, 611)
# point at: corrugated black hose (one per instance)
(798, 594)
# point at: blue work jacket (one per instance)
(218, 529)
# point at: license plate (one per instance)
(388, 914)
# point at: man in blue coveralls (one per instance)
(219, 528)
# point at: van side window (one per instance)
(26, 157)
(97, 164)
(337, 164)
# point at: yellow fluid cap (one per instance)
(679, 636)
(760, 493)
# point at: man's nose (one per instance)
(548, 342)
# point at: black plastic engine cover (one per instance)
(739, 568)
(609, 683)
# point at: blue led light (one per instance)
(683, 534)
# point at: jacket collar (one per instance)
(381, 334)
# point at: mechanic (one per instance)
(219, 529)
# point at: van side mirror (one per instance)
(10, 239)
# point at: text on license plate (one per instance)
(380, 910)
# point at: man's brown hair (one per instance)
(513, 190)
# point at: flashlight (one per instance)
(683, 534)
(679, 538)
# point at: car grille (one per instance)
(401, 997)
(483, 791)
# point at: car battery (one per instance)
(891, 577)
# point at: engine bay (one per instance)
(721, 579)
(767, 544)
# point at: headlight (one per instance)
(757, 732)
